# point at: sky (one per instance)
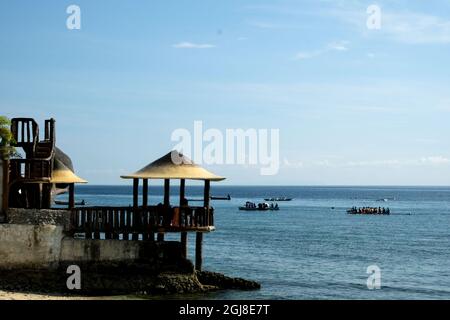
(354, 105)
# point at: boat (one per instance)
(65, 203)
(370, 211)
(228, 197)
(275, 199)
(250, 206)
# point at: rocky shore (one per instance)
(119, 280)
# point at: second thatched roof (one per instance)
(173, 165)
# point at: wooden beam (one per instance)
(136, 220)
(184, 244)
(182, 191)
(145, 193)
(207, 193)
(5, 185)
(198, 251)
(167, 192)
(46, 196)
(71, 196)
(135, 193)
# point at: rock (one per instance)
(123, 279)
(223, 282)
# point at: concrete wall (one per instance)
(37, 239)
(30, 246)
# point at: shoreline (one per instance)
(40, 287)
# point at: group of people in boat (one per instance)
(369, 210)
(260, 206)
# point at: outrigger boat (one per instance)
(65, 203)
(250, 206)
(369, 211)
(278, 199)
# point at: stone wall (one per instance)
(30, 246)
(39, 217)
(37, 239)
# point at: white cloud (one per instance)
(341, 46)
(338, 46)
(424, 161)
(439, 160)
(396, 163)
(416, 28)
(190, 45)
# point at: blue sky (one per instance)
(353, 105)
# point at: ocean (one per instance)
(311, 248)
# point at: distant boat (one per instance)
(228, 197)
(250, 206)
(65, 203)
(369, 211)
(278, 199)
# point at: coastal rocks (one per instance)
(136, 279)
(220, 281)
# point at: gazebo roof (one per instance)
(62, 174)
(173, 165)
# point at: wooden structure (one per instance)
(182, 218)
(32, 179)
(45, 168)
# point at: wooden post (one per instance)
(46, 195)
(71, 195)
(166, 218)
(199, 235)
(184, 244)
(166, 192)
(182, 191)
(5, 186)
(144, 227)
(135, 234)
(135, 193)
(145, 193)
(206, 194)
(198, 251)
(184, 235)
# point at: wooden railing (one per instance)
(30, 169)
(139, 223)
(49, 133)
(25, 131)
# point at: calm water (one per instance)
(308, 250)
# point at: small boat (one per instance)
(250, 206)
(228, 197)
(65, 203)
(278, 199)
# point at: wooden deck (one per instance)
(139, 223)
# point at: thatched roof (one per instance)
(173, 165)
(63, 175)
